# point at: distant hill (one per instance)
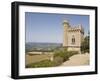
(31, 46)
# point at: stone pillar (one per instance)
(51, 57)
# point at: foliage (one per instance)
(58, 60)
(64, 53)
(61, 53)
(85, 45)
(43, 63)
(71, 53)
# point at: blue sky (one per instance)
(47, 27)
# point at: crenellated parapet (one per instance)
(78, 28)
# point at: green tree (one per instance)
(85, 44)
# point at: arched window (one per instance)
(73, 39)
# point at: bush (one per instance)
(64, 53)
(61, 53)
(71, 53)
(44, 63)
(58, 61)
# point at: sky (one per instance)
(48, 27)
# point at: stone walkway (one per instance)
(76, 60)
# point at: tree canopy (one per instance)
(85, 44)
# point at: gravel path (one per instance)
(76, 60)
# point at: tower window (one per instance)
(73, 39)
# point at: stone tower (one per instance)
(72, 36)
(65, 33)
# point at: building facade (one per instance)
(72, 36)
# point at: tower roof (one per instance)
(65, 21)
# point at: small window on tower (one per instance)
(73, 39)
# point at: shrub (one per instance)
(71, 53)
(43, 63)
(58, 61)
(64, 53)
(61, 53)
